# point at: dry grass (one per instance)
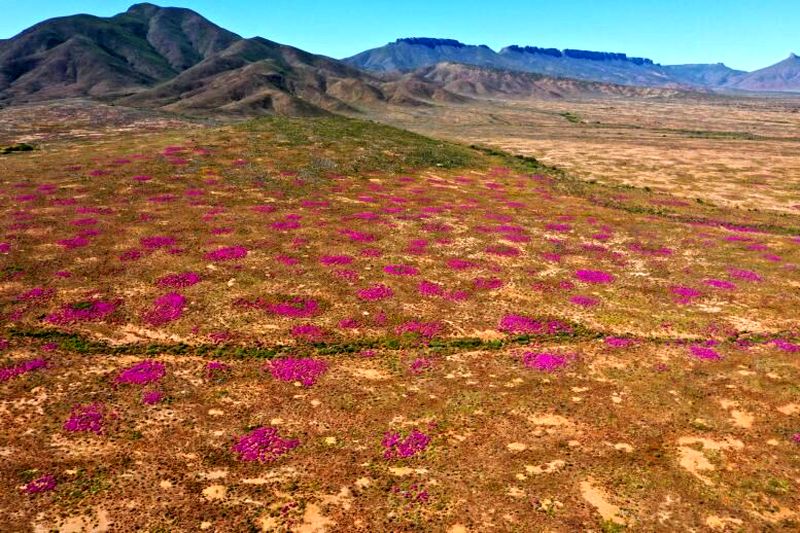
(735, 152)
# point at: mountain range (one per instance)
(410, 54)
(175, 60)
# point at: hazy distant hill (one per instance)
(717, 75)
(474, 81)
(780, 77)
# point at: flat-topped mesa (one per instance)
(606, 56)
(554, 52)
(431, 42)
(577, 54)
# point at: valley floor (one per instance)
(333, 325)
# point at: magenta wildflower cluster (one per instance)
(11, 372)
(594, 276)
(263, 445)
(166, 308)
(143, 373)
(306, 370)
(88, 311)
(398, 447)
(216, 369)
(543, 361)
(87, 418)
(228, 253)
(45, 483)
(519, 324)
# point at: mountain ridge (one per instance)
(174, 59)
(404, 55)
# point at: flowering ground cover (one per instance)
(323, 324)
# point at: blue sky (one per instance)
(746, 34)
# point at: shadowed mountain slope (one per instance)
(84, 55)
(174, 59)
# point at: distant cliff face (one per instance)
(431, 42)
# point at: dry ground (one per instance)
(731, 151)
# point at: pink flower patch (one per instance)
(619, 342)
(143, 373)
(228, 253)
(744, 275)
(488, 284)
(167, 308)
(518, 324)
(786, 346)
(89, 418)
(358, 236)
(152, 397)
(420, 365)
(331, 260)
(37, 293)
(397, 447)
(74, 242)
(423, 329)
(91, 311)
(375, 293)
(460, 264)
(295, 308)
(286, 225)
(308, 333)
(594, 276)
(704, 352)
(130, 255)
(265, 208)
(10, 372)
(287, 260)
(429, 288)
(559, 228)
(544, 362)
(306, 370)
(685, 295)
(45, 483)
(216, 369)
(720, 284)
(263, 445)
(584, 301)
